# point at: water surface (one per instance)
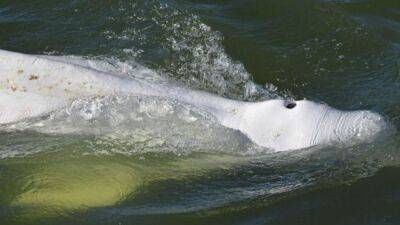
(127, 160)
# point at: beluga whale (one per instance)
(36, 85)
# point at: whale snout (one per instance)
(329, 125)
(369, 124)
(359, 126)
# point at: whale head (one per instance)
(287, 125)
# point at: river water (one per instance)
(131, 160)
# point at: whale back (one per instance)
(22, 105)
(49, 77)
(32, 85)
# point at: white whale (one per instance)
(32, 86)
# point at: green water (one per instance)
(145, 161)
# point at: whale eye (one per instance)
(290, 105)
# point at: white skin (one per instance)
(31, 86)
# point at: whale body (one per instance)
(32, 85)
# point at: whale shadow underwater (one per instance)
(32, 86)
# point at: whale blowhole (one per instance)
(290, 105)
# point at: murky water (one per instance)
(131, 160)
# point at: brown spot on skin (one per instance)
(13, 88)
(19, 72)
(33, 77)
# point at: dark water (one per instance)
(344, 53)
